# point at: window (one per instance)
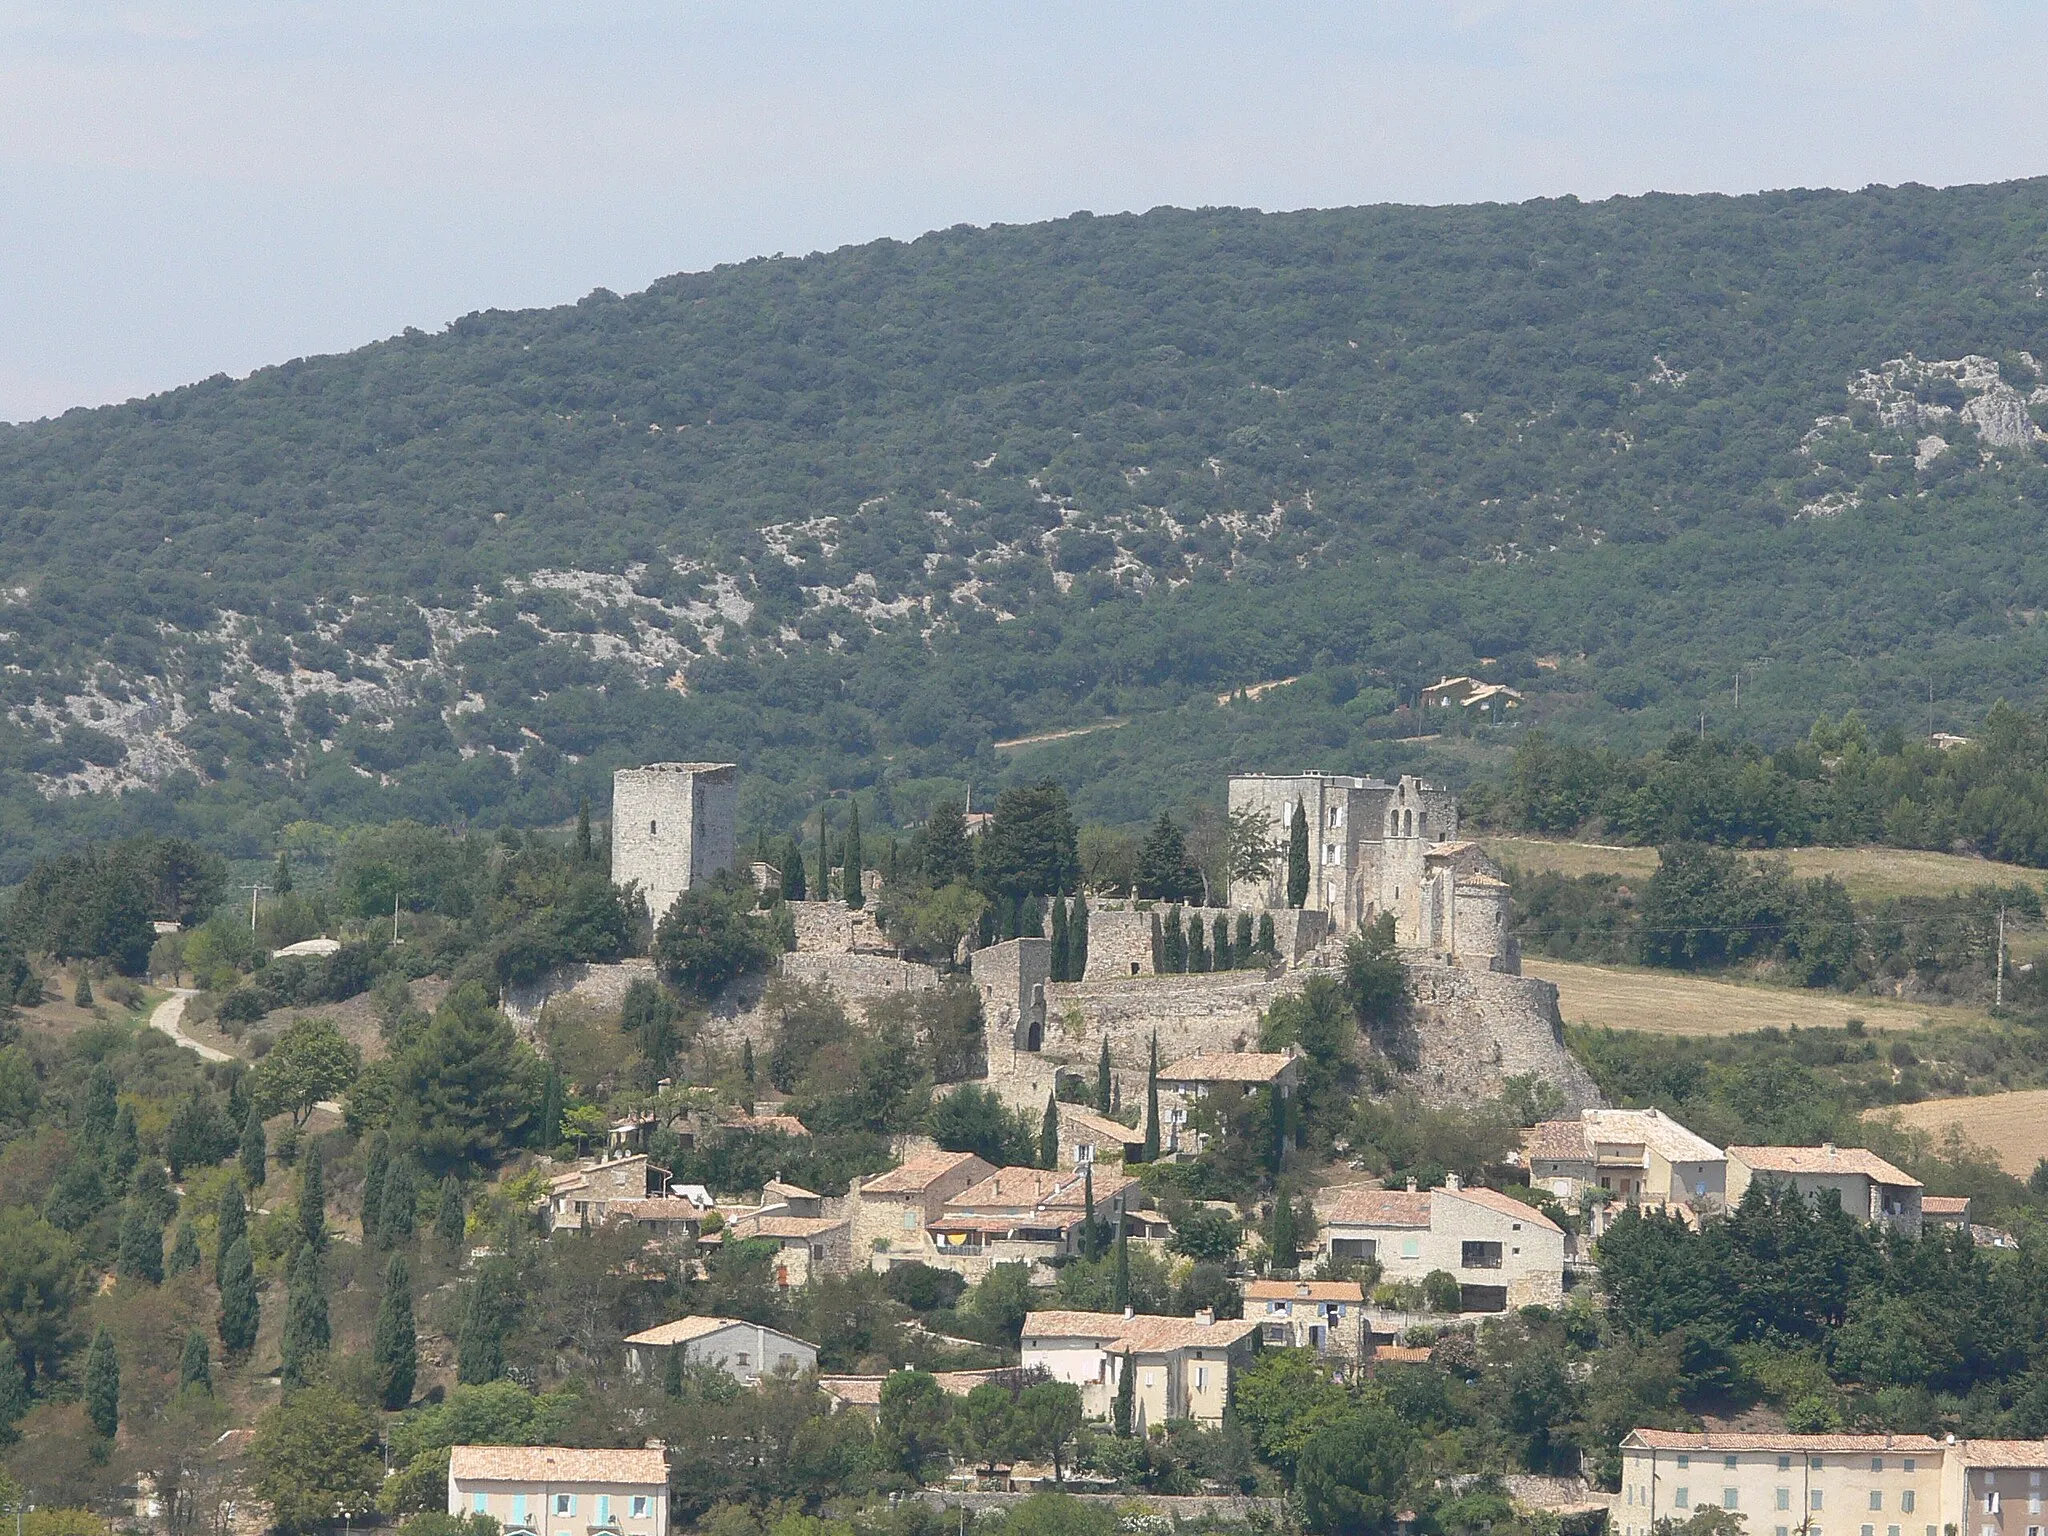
(1684, 1462)
(1784, 1498)
(1728, 1462)
(1728, 1498)
(1909, 1463)
(1877, 1498)
(1877, 1463)
(604, 1509)
(1201, 1378)
(1891, 1530)
(910, 1221)
(565, 1503)
(744, 1359)
(640, 1503)
(1363, 1248)
(480, 1503)
(1684, 1497)
(1813, 1462)
(1992, 1503)
(650, 829)
(1411, 1247)
(1816, 1499)
(1869, 1530)
(1479, 1256)
(519, 1509)
(1784, 1463)
(1782, 1530)
(1906, 1501)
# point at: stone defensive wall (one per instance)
(596, 986)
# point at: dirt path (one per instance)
(167, 1017)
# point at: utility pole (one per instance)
(252, 890)
(1998, 987)
(394, 917)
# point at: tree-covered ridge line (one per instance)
(852, 517)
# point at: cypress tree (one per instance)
(376, 1168)
(856, 898)
(400, 1205)
(1297, 856)
(142, 1245)
(1198, 945)
(1102, 1078)
(239, 1309)
(281, 874)
(184, 1250)
(313, 1201)
(1276, 1113)
(254, 1152)
(1059, 939)
(551, 1108)
(1221, 948)
(96, 1126)
(306, 1331)
(1173, 949)
(792, 870)
(672, 1371)
(81, 995)
(127, 1143)
(14, 1396)
(396, 1351)
(103, 1384)
(231, 1225)
(1049, 1134)
(1031, 917)
(1241, 951)
(1281, 1254)
(824, 858)
(1152, 1103)
(1269, 946)
(195, 1369)
(1125, 1409)
(1077, 939)
(451, 1224)
(1120, 1295)
(747, 1071)
(480, 1346)
(583, 846)
(1091, 1247)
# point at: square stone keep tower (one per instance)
(672, 826)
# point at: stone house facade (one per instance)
(1869, 1188)
(1327, 1316)
(1639, 1157)
(1184, 1365)
(1502, 1253)
(892, 1211)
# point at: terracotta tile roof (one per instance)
(1073, 1325)
(1400, 1354)
(556, 1464)
(684, 1329)
(1507, 1205)
(1822, 1160)
(1378, 1208)
(1681, 1440)
(656, 1208)
(2004, 1453)
(1945, 1205)
(1303, 1290)
(917, 1174)
(1228, 1067)
(1559, 1140)
(1073, 1118)
(779, 1125)
(1576, 1139)
(786, 1226)
(866, 1391)
(1029, 1189)
(1142, 1334)
(777, 1187)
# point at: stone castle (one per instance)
(1374, 847)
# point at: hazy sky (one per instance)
(189, 189)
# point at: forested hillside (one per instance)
(851, 518)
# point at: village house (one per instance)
(1021, 1216)
(863, 1394)
(1869, 1188)
(892, 1210)
(1184, 1365)
(1840, 1485)
(1501, 1252)
(744, 1351)
(1185, 1084)
(1086, 1137)
(806, 1245)
(1327, 1316)
(583, 1197)
(1639, 1157)
(550, 1490)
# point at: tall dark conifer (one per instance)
(1297, 856)
(1152, 1103)
(793, 882)
(239, 1308)
(824, 890)
(395, 1352)
(1060, 939)
(254, 1152)
(852, 875)
(376, 1168)
(1103, 1078)
(231, 1224)
(1077, 939)
(103, 1384)
(1049, 1134)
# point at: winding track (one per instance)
(166, 1016)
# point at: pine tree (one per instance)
(792, 870)
(1102, 1078)
(450, 1224)
(1049, 1134)
(142, 1245)
(856, 898)
(1198, 945)
(395, 1356)
(551, 1097)
(184, 1250)
(1120, 1294)
(1280, 1250)
(376, 1167)
(1221, 948)
(1297, 856)
(824, 892)
(231, 1224)
(1125, 1409)
(81, 990)
(584, 850)
(253, 1154)
(239, 1309)
(103, 1384)
(1060, 939)
(195, 1369)
(400, 1205)
(281, 874)
(313, 1201)
(1241, 951)
(1152, 1103)
(1077, 939)
(306, 1331)
(126, 1147)
(1269, 946)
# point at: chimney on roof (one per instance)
(1411, 1186)
(1204, 1316)
(1129, 1313)
(1453, 1183)
(1828, 1147)
(656, 1445)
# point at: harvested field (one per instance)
(2011, 1126)
(1660, 1002)
(1871, 874)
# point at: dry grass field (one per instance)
(2011, 1126)
(1660, 1002)
(1869, 873)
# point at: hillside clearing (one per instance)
(2011, 1126)
(1662, 1003)
(1870, 874)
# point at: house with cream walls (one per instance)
(1501, 1252)
(551, 1490)
(1184, 1365)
